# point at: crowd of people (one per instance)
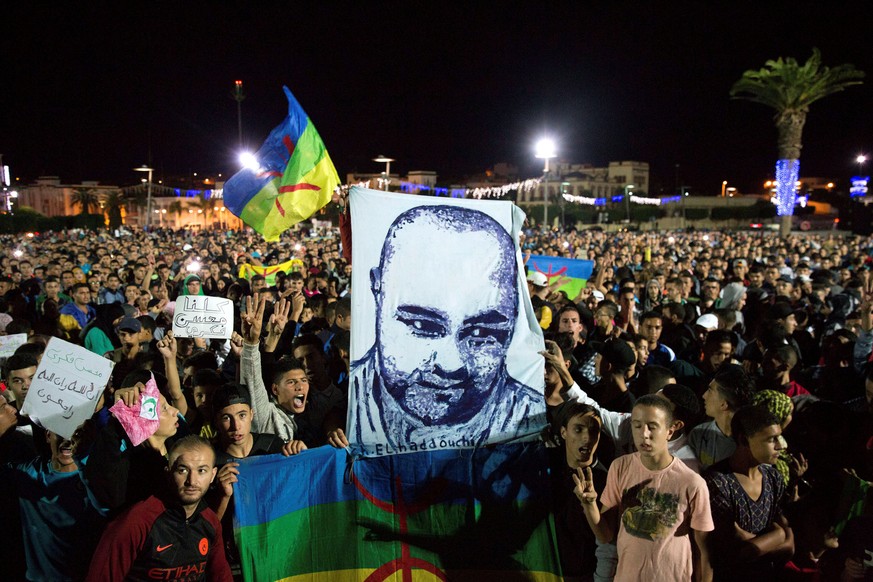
(709, 395)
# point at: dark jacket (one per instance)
(155, 541)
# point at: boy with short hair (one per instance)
(746, 490)
(653, 502)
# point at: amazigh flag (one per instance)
(441, 515)
(575, 271)
(247, 271)
(295, 177)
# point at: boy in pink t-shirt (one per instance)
(653, 502)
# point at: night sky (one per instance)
(90, 91)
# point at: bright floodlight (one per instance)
(545, 148)
(861, 159)
(248, 160)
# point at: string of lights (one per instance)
(586, 200)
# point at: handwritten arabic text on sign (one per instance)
(203, 316)
(10, 343)
(66, 387)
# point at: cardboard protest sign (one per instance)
(66, 387)
(203, 316)
(445, 346)
(10, 343)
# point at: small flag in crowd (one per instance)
(247, 270)
(574, 272)
(432, 515)
(294, 177)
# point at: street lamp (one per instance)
(238, 96)
(145, 168)
(250, 161)
(627, 200)
(723, 188)
(387, 161)
(860, 161)
(545, 149)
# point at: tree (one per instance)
(114, 202)
(176, 207)
(203, 205)
(85, 198)
(790, 88)
(138, 200)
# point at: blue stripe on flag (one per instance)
(273, 158)
(575, 268)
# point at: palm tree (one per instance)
(114, 202)
(204, 205)
(137, 199)
(176, 207)
(86, 198)
(790, 88)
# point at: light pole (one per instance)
(860, 160)
(387, 173)
(545, 149)
(148, 169)
(238, 96)
(627, 200)
(723, 188)
(562, 201)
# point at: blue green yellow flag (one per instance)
(294, 177)
(247, 270)
(436, 515)
(574, 273)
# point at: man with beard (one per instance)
(437, 371)
(172, 535)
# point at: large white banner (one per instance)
(445, 342)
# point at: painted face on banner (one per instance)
(444, 319)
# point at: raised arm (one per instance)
(599, 520)
(149, 272)
(612, 420)
(250, 360)
(168, 349)
(276, 325)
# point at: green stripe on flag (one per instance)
(357, 535)
(272, 212)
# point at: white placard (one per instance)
(10, 343)
(445, 347)
(203, 316)
(67, 385)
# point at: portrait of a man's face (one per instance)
(443, 322)
(445, 346)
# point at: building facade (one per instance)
(591, 181)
